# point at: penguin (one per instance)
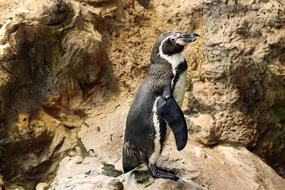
(155, 110)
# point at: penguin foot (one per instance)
(166, 169)
(159, 172)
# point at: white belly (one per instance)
(179, 89)
(178, 93)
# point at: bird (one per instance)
(156, 108)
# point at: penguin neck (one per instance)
(174, 59)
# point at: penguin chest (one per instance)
(178, 94)
(179, 88)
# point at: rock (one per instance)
(144, 3)
(79, 173)
(209, 97)
(2, 184)
(198, 167)
(71, 166)
(5, 51)
(48, 12)
(19, 188)
(83, 57)
(84, 54)
(51, 61)
(237, 87)
(141, 179)
(87, 182)
(244, 169)
(103, 134)
(42, 186)
(202, 128)
(235, 80)
(97, 2)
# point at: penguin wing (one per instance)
(169, 110)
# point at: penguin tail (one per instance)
(130, 160)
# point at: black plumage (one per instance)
(154, 108)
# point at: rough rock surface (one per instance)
(51, 58)
(222, 167)
(235, 92)
(238, 93)
(69, 69)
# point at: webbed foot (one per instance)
(161, 172)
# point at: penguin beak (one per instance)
(191, 37)
(184, 39)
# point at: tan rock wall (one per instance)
(61, 59)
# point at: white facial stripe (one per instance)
(174, 59)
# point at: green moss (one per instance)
(279, 112)
(2, 131)
(278, 87)
(276, 135)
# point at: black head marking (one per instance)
(171, 43)
(170, 46)
(162, 37)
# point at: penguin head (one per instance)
(171, 43)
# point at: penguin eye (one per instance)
(172, 39)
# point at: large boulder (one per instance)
(222, 167)
(51, 61)
(238, 97)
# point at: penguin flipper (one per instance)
(169, 110)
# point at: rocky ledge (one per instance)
(199, 168)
